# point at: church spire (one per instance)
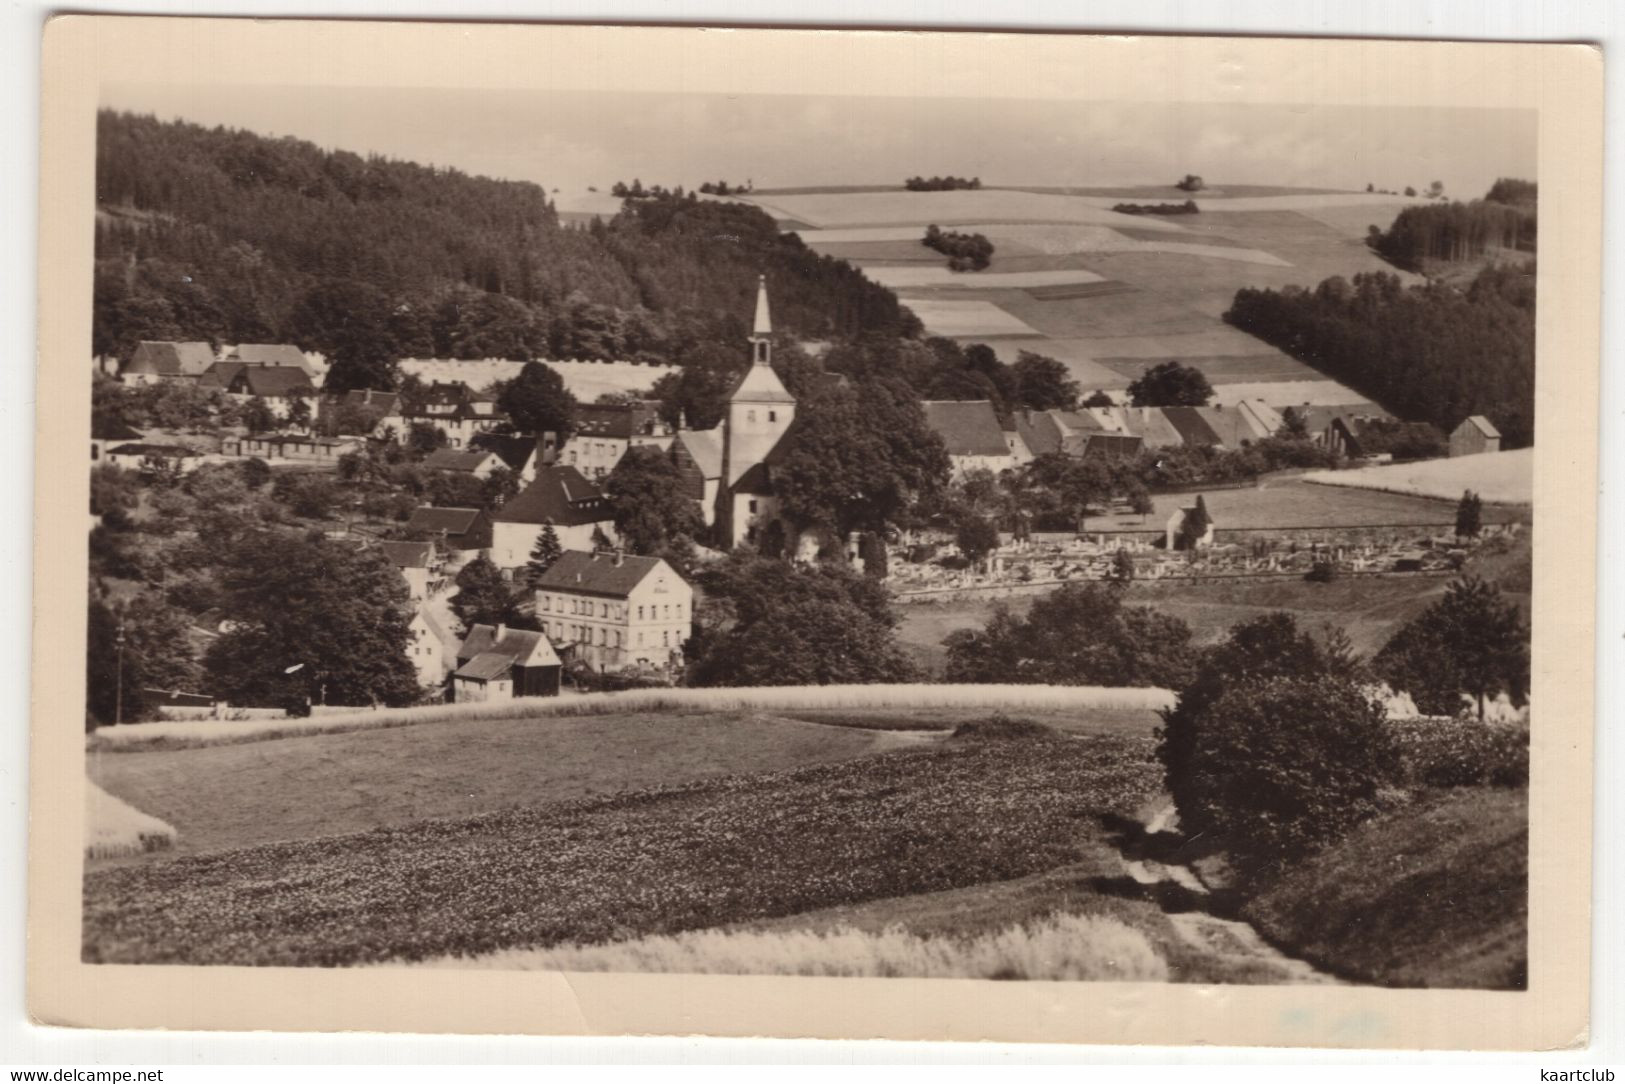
(761, 332)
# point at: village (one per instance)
(594, 608)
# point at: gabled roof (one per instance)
(220, 374)
(408, 554)
(605, 574)
(454, 521)
(152, 449)
(1483, 425)
(487, 667)
(967, 427)
(265, 381)
(760, 384)
(559, 495)
(1152, 426)
(514, 450)
(1193, 429)
(171, 358)
(104, 428)
(616, 421)
(387, 401)
(705, 448)
(1038, 431)
(453, 459)
(524, 647)
(272, 354)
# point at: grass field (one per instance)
(243, 795)
(1430, 895)
(1501, 477)
(116, 829)
(946, 815)
(957, 319)
(899, 278)
(1292, 502)
(1218, 369)
(1120, 721)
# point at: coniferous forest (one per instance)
(226, 236)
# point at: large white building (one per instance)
(611, 610)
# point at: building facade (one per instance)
(610, 611)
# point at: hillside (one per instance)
(227, 236)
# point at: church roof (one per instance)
(967, 427)
(764, 319)
(760, 384)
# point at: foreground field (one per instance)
(243, 795)
(1435, 895)
(959, 813)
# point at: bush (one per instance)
(1460, 751)
(1000, 727)
(1321, 572)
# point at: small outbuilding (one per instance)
(1190, 528)
(1475, 436)
(499, 663)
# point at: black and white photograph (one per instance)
(746, 532)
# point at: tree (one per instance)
(156, 655)
(1170, 384)
(768, 622)
(1436, 190)
(1190, 183)
(483, 597)
(1410, 190)
(1123, 566)
(299, 415)
(1469, 515)
(257, 416)
(542, 555)
(1294, 426)
(423, 438)
(1043, 383)
(313, 621)
(1470, 642)
(350, 321)
(1099, 399)
(255, 471)
(646, 497)
(1140, 502)
(1080, 634)
(537, 402)
(976, 537)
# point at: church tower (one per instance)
(760, 411)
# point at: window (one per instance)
(679, 609)
(547, 602)
(640, 613)
(640, 639)
(617, 638)
(665, 639)
(667, 611)
(753, 507)
(772, 415)
(750, 415)
(605, 610)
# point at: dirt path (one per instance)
(1229, 940)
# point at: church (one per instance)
(729, 468)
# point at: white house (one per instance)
(606, 432)
(611, 610)
(559, 496)
(974, 436)
(427, 648)
(166, 362)
(480, 464)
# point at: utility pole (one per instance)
(118, 681)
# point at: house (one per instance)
(605, 432)
(560, 496)
(1151, 425)
(290, 447)
(454, 409)
(106, 433)
(1475, 436)
(610, 610)
(428, 648)
(480, 464)
(499, 663)
(153, 458)
(521, 455)
(697, 454)
(455, 529)
(270, 355)
(280, 387)
(1190, 528)
(417, 563)
(167, 362)
(972, 433)
(382, 407)
(1040, 433)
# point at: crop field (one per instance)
(1142, 312)
(962, 812)
(1499, 477)
(1083, 289)
(1279, 392)
(916, 277)
(242, 795)
(1167, 193)
(964, 319)
(837, 210)
(1135, 721)
(1219, 369)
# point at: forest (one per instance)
(226, 236)
(1452, 232)
(1428, 353)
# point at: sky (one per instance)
(572, 139)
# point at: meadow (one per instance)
(115, 829)
(1497, 477)
(967, 811)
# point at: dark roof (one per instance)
(1193, 429)
(968, 427)
(1482, 424)
(756, 481)
(408, 554)
(514, 451)
(454, 521)
(454, 460)
(1104, 445)
(271, 381)
(171, 358)
(618, 421)
(487, 667)
(103, 428)
(151, 449)
(387, 401)
(273, 354)
(1038, 431)
(607, 574)
(558, 495)
(526, 647)
(220, 374)
(704, 447)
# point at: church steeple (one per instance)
(761, 332)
